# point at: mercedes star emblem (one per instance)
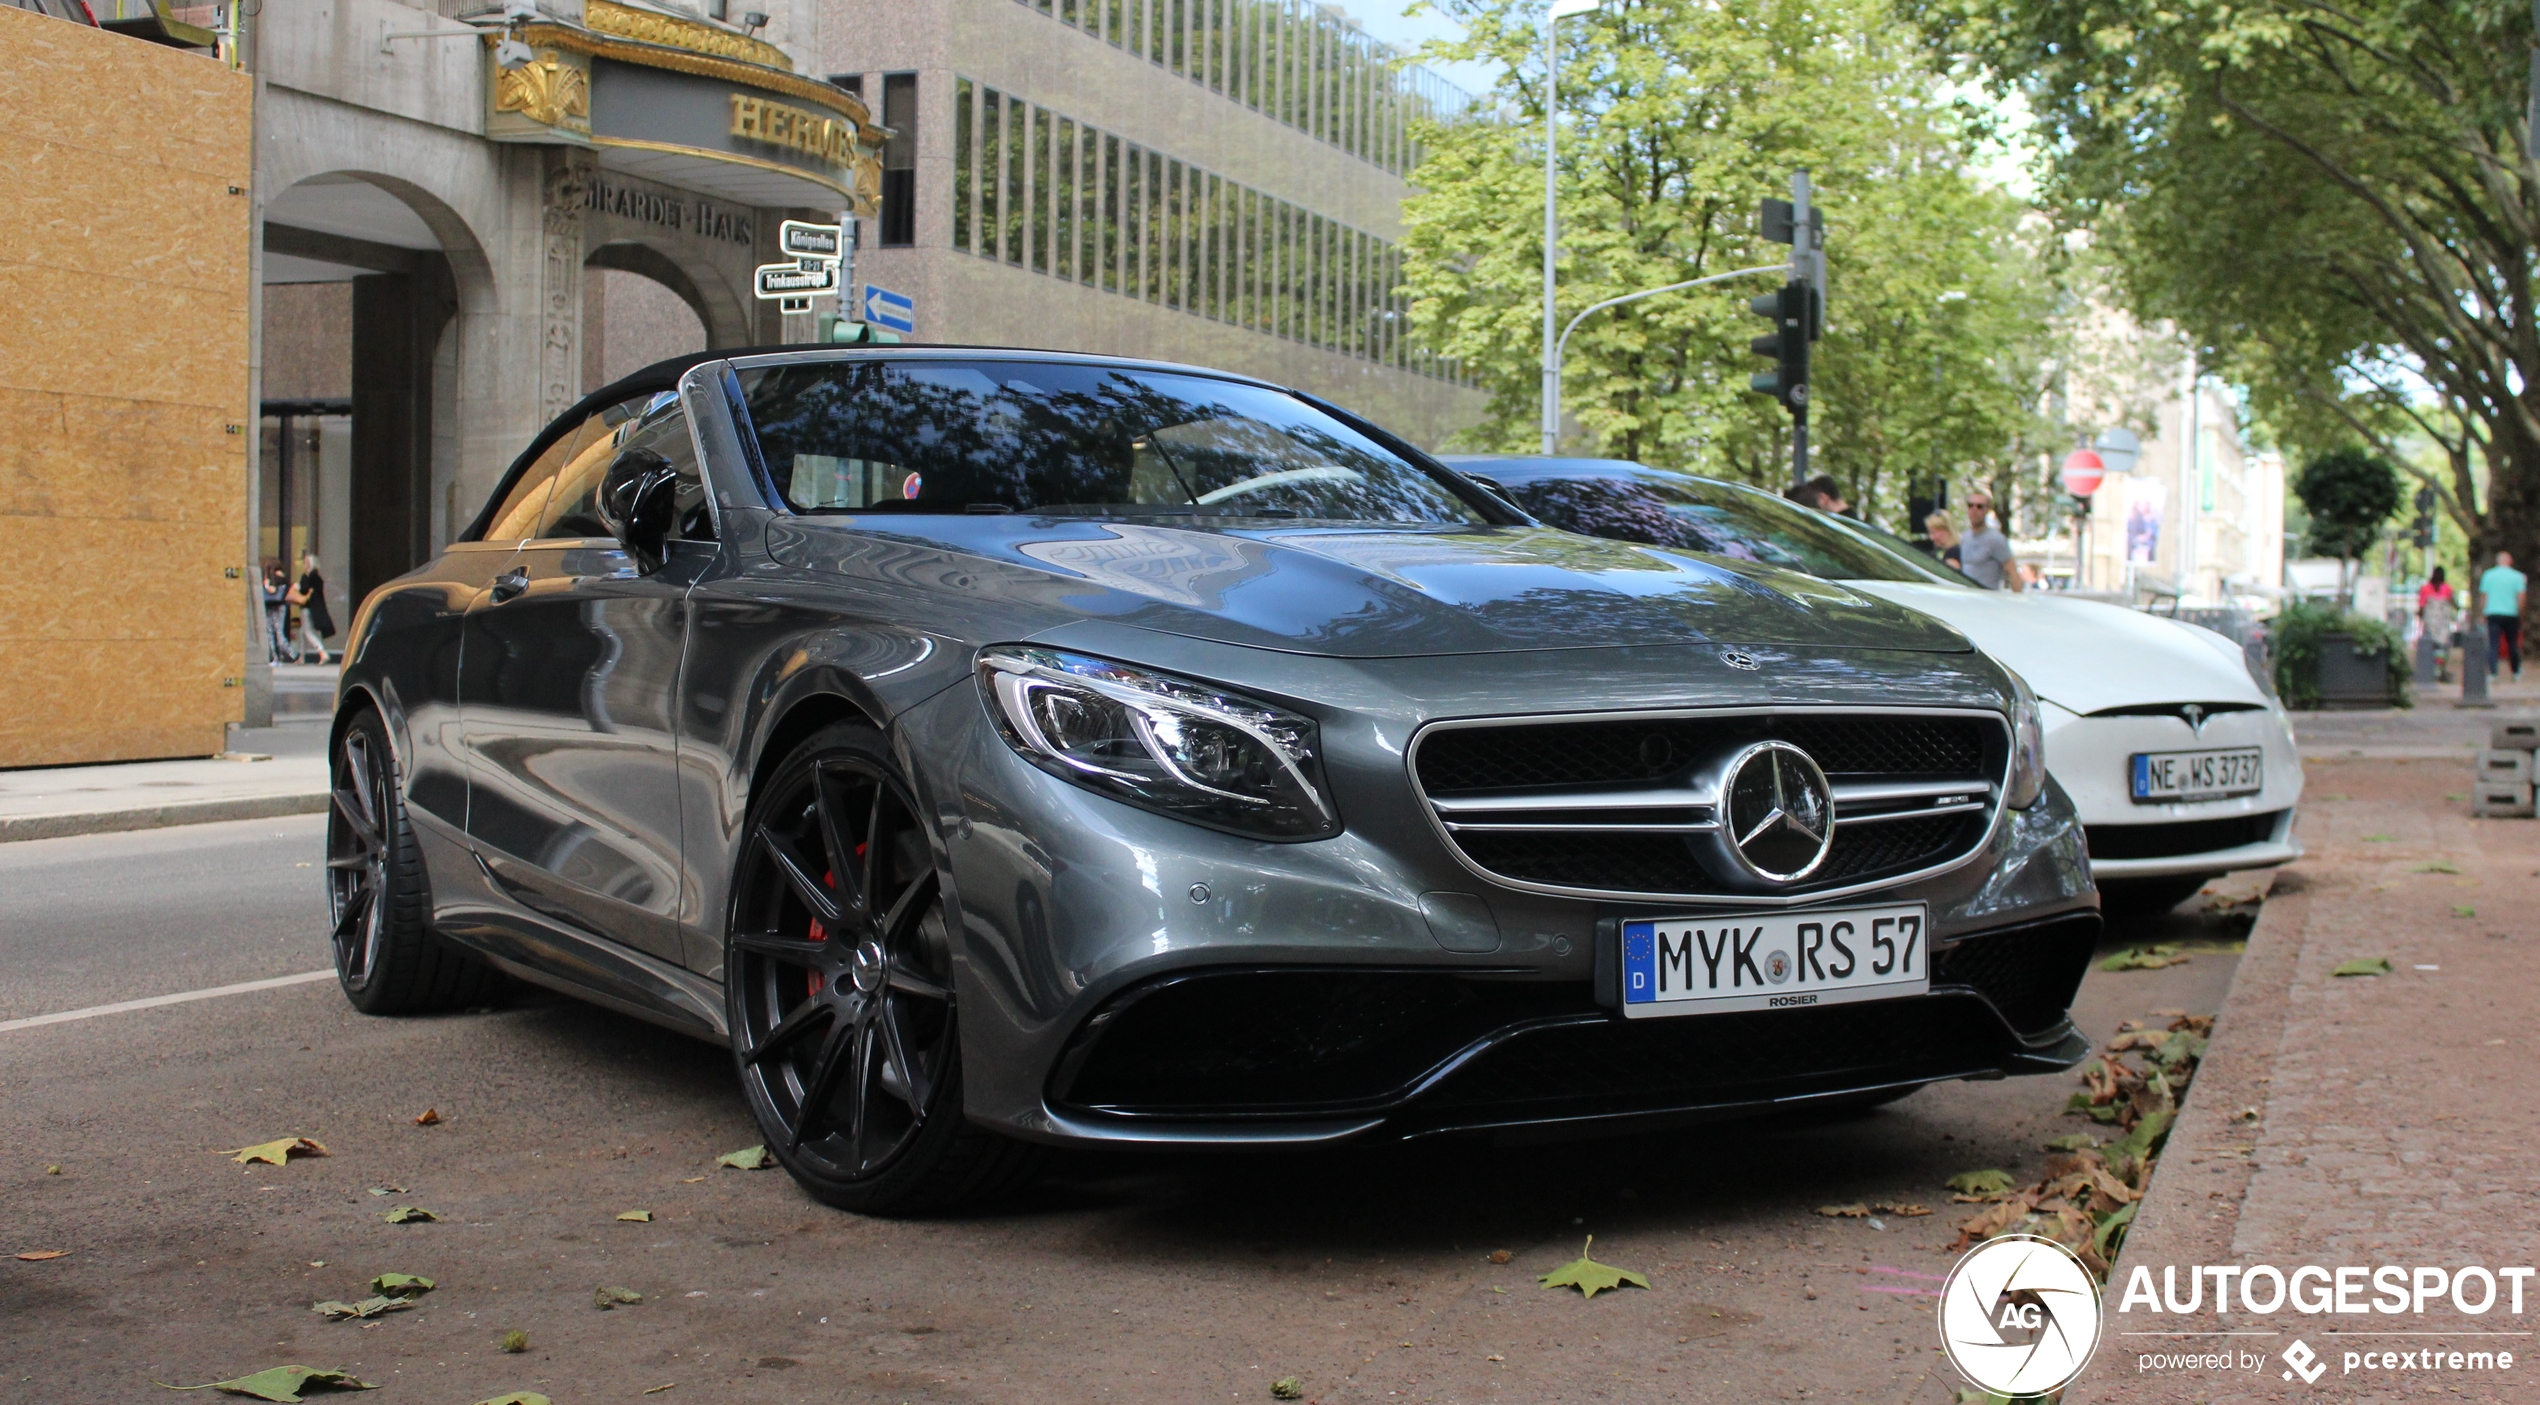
(1779, 811)
(1740, 659)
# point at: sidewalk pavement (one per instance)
(288, 779)
(2362, 1120)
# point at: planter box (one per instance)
(2348, 679)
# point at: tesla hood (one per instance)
(1356, 592)
(2083, 655)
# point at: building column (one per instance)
(397, 321)
(566, 184)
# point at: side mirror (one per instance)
(638, 500)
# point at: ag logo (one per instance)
(2019, 1315)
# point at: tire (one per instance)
(838, 979)
(2140, 898)
(388, 959)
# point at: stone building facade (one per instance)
(1217, 182)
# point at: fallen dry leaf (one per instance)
(607, 1298)
(2364, 966)
(37, 1256)
(748, 1158)
(637, 1216)
(367, 1308)
(275, 1153)
(282, 1384)
(401, 1285)
(1287, 1388)
(1977, 1187)
(1902, 1212)
(430, 1116)
(1589, 1276)
(411, 1214)
(517, 1397)
(1500, 1256)
(1854, 1211)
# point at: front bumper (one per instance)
(1318, 1054)
(2091, 757)
(1063, 902)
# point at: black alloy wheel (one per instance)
(387, 958)
(839, 974)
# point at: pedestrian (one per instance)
(277, 612)
(1829, 495)
(316, 622)
(1985, 554)
(1806, 495)
(2501, 591)
(2439, 613)
(1944, 539)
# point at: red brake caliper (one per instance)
(820, 933)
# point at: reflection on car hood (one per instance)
(1367, 593)
(2084, 655)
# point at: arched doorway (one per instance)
(365, 278)
(638, 307)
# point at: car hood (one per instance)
(2086, 655)
(1360, 592)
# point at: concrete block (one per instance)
(2516, 734)
(2504, 768)
(2500, 802)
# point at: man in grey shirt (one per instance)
(1984, 554)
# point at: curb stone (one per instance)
(253, 807)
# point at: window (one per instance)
(991, 170)
(1111, 248)
(1055, 438)
(1089, 207)
(1018, 177)
(1040, 189)
(524, 513)
(899, 160)
(965, 163)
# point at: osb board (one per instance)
(124, 366)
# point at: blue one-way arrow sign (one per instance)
(894, 311)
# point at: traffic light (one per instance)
(1792, 309)
(2421, 531)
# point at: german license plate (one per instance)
(2197, 775)
(1774, 961)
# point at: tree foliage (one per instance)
(1678, 117)
(2337, 199)
(2349, 493)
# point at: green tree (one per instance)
(1678, 117)
(2349, 493)
(2338, 200)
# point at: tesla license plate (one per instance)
(2197, 775)
(1774, 961)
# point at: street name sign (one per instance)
(797, 280)
(803, 239)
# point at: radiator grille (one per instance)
(1646, 851)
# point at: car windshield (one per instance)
(1678, 510)
(873, 435)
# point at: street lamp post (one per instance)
(1560, 10)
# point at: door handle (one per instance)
(509, 584)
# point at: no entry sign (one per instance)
(2084, 470)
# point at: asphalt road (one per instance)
(1365, 1273)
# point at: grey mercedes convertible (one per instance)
(999, 749)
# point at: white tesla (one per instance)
(2167, 736)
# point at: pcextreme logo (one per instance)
(2019, 1315)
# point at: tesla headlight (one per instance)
(1172, 745)
(2028, 747)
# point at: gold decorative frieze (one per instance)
(825, 138)
(549, 91)
(672, 32)
(571, 39)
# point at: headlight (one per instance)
(2028, 747)
(1172, 745)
